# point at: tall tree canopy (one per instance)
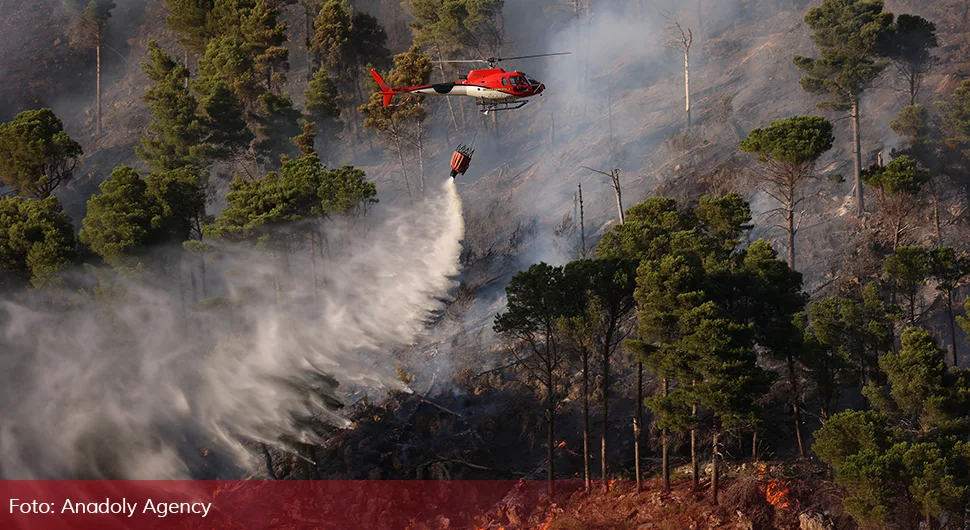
(789, 150)
(909, 47)
(36, 155)
(910, 451)
(36, 240)
(848, 34)
(176, 137)
(898, 186)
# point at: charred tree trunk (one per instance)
(606, 405)
(857, 156)
(586, 474)
(665, 444)
(754, 443)
(952, 323)
(619, 196)
(551, 412)
(313, 264)
(97, 112)
(687, 82)
(793, 381)
(420, 147)
(307, 32)
(404, 169)
(715, 482)
(451, 108)
(790, 217)
(694, 460)
(637, 421)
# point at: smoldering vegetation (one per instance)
(130, 382)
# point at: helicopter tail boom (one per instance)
(386, 91)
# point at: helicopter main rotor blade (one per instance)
(460, 61)
(527, 56)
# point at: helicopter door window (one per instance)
(505, 81)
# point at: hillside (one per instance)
(279, 317)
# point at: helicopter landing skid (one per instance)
(490, 106)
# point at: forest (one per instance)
(260, 260)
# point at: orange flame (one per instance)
(561, 444)
(776, 492)
(611, 485)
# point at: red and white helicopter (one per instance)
(493, 88)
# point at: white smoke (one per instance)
(134, 387)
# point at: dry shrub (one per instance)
(747, 497)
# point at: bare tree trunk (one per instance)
(185, 59)
(637, 419)
(897, 234)
(665, 444)
(551, 412)
(754, 443)
(619, 198)
(936, 218)
(451, 108)
(404, 170)
(694, 464)
(313, 265)
(857, 152)
(687, 81)
(420, 146)
(582, 225)
(606, 412)
(586, 420)
(589, 31)
(793, 381)
(953, 330)
(307, 32)
(97, 111)
(791, 236)
(715, 484)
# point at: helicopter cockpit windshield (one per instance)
(530, 80)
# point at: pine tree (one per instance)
(775, 297)
(121, 220)
(898, 186)
(36, 155)
(228, 135)
(954, 125)
(90, 19)
(789, 150)
(537, 299)
(176, 137)
(180, 196)
(908, 270)
(402, 126)
(848, 34)
(948, 270)
(36, 241)
(188, 19)
(911, 450)
(909, 47)
(277, 125)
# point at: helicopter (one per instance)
(492, 87)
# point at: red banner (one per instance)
(371, 505)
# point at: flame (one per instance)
(776, 492)
(561, 445)
(611, 485)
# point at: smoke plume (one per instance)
(133, 386)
